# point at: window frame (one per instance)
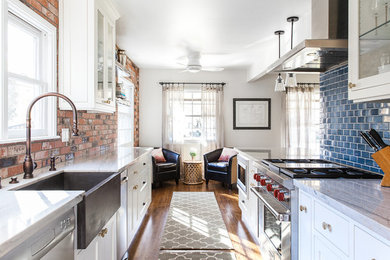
(47, 73)
(192, 100)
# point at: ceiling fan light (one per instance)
(194, 68)
(291, 80)
(279, 84)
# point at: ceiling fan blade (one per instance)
(212, 69)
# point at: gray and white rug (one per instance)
(194, 223)
(194, 255)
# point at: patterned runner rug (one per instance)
(194, 255)
(194, 223)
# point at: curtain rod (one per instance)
(194, 83)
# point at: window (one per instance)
(192, 114)
(28, 69)
(303, 120)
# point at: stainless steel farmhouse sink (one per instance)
(101, 199)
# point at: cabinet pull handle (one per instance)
(125, 179)
(135, 187)
(252, 185)
(351, 85)
(135, 172)
(303, 208)
(103, 232)
(107, 101)
(326, 226)
(243, 201)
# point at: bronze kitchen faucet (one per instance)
(28, 164)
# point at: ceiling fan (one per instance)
(193, 63)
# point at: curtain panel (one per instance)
(303, 120)
(173, 117)
(212, 117)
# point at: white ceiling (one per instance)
(229, 33)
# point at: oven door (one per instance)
(241, 176)
(274, 227)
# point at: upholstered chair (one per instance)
(169, 170)
(223, 171)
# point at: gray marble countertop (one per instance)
(364, 201)
(24, 212)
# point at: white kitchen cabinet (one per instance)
(323, 250)
(87, 54)
(368, 247)
(121, 221)
(103, 246)
(305, 226)
(107, 241)
(325, 233)
(368, 51)
(139, 194)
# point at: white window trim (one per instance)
(50, 72)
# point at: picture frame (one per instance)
(251, 113)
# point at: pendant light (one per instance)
(291, 78)
(279, 82)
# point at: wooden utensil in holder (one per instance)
(382, 158)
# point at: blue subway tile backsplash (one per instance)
(341, 121)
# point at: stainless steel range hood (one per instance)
(329, 46)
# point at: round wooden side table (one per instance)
(193, 172)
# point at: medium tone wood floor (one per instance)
(147, 241)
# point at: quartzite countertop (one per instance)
(25, 212)
(364, 201)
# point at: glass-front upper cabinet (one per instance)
(87, 54)
(369, 50)
(105, 60)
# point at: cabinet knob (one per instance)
(326, 226)
(135, 187)
(303, 208)
(135, 172)
(351, 85)
(103, 232)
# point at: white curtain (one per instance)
(303, 120)
(212, 117)
(173, 116)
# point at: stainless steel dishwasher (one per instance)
(54, 241)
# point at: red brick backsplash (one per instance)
(98, 131)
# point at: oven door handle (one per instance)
(277, 209)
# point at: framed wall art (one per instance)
(251, 113)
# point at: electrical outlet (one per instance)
(65, 135)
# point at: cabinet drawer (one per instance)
(332, 226)
(369, 247)
(242, 203)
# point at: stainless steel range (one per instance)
(278, 200)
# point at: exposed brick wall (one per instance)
(134, 70)
(98, 131)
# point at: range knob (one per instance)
(283, 195)
(258, 177)
(276, 193)
(271, 187)
(255, 176)
(265, 181)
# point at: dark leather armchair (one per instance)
(225, 172)
(168, 170)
